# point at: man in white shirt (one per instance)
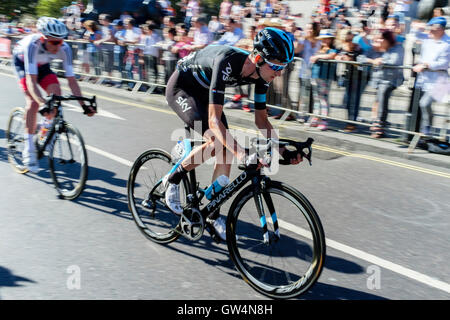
(433, 64)
(202, 35)
(107, 49)
(131, 38)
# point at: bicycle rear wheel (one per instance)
(68, 162)
(285, 266)
(15, 139)
(146, 196)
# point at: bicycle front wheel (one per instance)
(15, 139)
(282, 265)
(68, 162)
(146, 196)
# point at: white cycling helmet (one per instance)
(52, 27)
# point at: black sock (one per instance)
(177, 175)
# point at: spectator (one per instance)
(322, 73)
(389, 53)
(362, 38)
(107, 55)
(225, 9)
(306, 47)
(119, 50)
(232, 35)
(348, 52)
(149, 53)
(236, 9)
(202, 36)
(438, 12)
(393, 24)
(131, 38)
(91, 35)
(246, 43)
(192, 11)
(434, 62)
(215, 26)
(169, 58)
(183, 46)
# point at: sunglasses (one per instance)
(55, 42)
(274, 66)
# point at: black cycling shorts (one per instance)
(189, 101)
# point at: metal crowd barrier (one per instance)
(285, 105)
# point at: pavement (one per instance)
(334, 137)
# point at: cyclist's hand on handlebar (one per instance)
(89, 110)
(293, 156)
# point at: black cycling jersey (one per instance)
(216, 67)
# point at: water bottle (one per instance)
(44, 126)
(177, 151)
(221, 182)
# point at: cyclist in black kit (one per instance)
(196, 91)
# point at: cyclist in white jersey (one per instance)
(32, 56)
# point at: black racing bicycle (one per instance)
(61, 142)
(274, 235)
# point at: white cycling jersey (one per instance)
(31, 51)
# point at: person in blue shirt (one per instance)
(434, 62)
(232, 35)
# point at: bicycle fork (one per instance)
(258, 197)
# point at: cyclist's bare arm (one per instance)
(264, 125)
(76, 91)
(266, 128)
(221, 133)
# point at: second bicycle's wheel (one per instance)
(146, 196)
(286, 266)
(15, 139)
(68, 162)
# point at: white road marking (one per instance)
(110, 156)
(432, 282)
(101, 112)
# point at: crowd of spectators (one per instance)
(372, 32)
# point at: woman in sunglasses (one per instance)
(32, 56)
(196, 92)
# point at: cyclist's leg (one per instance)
(49, 82)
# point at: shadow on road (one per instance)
(322, 291)
(8, 279)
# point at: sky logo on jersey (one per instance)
(182, 102)
(226, 73)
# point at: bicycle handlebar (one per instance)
(264, 147)
(55, 99)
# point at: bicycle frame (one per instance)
(195, 194)
(58, 124)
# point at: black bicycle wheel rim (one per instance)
(15, 139)
(156, 222)
(68, 163)
(251, 274)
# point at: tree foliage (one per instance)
(14, 8)
(52, 8)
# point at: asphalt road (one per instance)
(383, 217)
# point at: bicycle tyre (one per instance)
(15, 139)
(69, 183)
(252, 272)
(160, 224)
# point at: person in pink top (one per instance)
(183, 45)
(225, 8)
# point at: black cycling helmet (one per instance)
(272, 43)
